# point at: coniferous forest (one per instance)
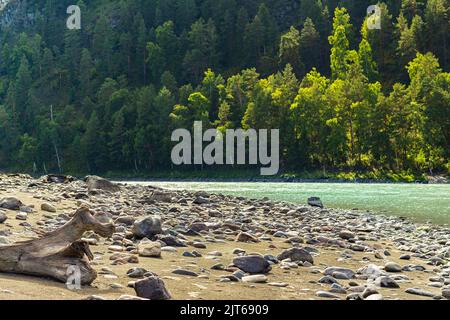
(106, 98)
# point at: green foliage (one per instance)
(290, 49)
(106, 97)
(339, 43)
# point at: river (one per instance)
(420, 202)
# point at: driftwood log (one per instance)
(55, 252)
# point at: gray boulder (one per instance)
(171, 241)
(419, 292)
(348, 272)
(147, 227)
(136, 272)
(152, 288)
(11, 203)
(392, 267)
(315, 202)
(296, 254)
(201, 200)
(252, 264)
(386, 282)
(98, 183)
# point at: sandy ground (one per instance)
(302, 281)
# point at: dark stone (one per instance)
(315, 202)
(327, 280)
(184, 272)
(152, 288)
(419, 292)
(11, 203)
(348, 272)
(136, 272)
(386, 282)
(252, 264)
(3, 217)
(171, 241)
(296, 254)
(201, 200)
(218, 266)
(198, 226)
(271, 258)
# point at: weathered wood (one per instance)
(53, 253)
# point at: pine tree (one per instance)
(339, 43)
(141, 49)
(407, 44)
(311, 9)
(210, 87)
(242, 20)
(310, 50)
(86, 74)
(106, 97)
(21, 90)
(168, 81)
(168, 41)
(93, 146)
(289, 52)
(437, 29)
(203, 40)
(102, 45)
(186, 13)
(72, 50)
(366, 61)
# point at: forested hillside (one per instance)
(107, 97)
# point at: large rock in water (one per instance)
(11, 203)
(296, 254)
(315, 202)
(152, 288)
(252, 264)
(148, 227)
(98, 183)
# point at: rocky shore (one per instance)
(182, 245)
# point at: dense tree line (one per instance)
(106, 97)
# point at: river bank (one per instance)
(423, 203)
(305, 177)
(242, 175)
(212, 246)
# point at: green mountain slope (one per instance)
(107, 97)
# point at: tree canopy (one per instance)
(107, 97)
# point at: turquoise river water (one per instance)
(420, 202)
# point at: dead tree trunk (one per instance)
(53, 253)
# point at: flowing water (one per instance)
(421, 202)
